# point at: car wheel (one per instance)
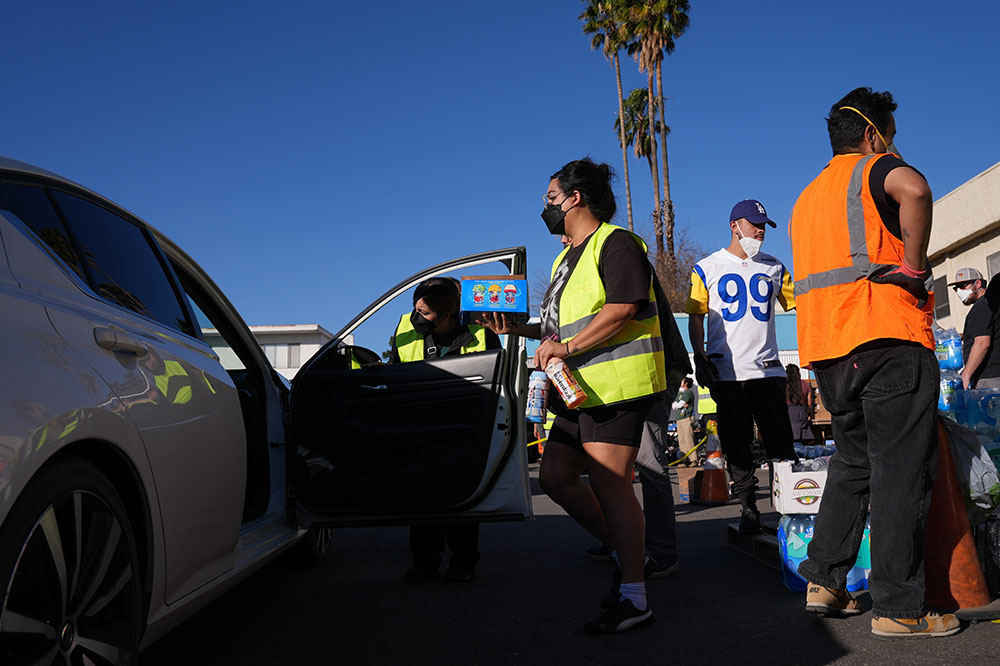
(315, 545)
(69, 573)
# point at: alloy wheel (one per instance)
(71, 596)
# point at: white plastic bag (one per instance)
(977, 475)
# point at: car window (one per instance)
(31, 204)
(215, 336)
(377, 332)
(120, 261)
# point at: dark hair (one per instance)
(793, 384)
(847, 128)
(440, 295)
(687, 382)
(593, 182)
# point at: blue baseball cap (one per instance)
(753, 211)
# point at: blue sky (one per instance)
(309, 155)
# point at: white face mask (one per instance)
(750, 245)
(964, 295)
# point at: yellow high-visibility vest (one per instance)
(628, 365)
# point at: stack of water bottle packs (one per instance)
(976, 409)
(974, 434)
(797, 492)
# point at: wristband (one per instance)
(568, 352)
(911, 272)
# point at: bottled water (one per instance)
(948, 349)
(795, 531)
(952, 395)
(820, 464)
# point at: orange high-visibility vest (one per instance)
(838, 241)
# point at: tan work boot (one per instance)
(828, 601)
(930, 625)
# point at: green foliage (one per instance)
(606, 21)
(652, 27)
(637, 122)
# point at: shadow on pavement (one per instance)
(533, 592)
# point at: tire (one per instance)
(314, 547)
(70, 588)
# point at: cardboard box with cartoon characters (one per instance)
(507, 294)
(796, 492)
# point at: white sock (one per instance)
(636, 593)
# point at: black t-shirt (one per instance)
(622, 266)
(981, 321)
(887, 207)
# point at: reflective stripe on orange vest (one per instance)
(837, 243)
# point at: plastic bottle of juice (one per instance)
(564, 381)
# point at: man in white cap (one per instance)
(982, 365)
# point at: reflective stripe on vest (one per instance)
(628, 365)
(839, 241)
(410, 344)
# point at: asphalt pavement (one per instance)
(533, 592)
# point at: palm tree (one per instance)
(604, 19)
(657, 24)
(635, 129)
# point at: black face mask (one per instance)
(555, 217)
(420, 324)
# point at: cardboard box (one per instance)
(689, 483)
(821, 415)
(796, 492)
(507, 294)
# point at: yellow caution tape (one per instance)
(537, 441)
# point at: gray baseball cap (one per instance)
(966, 275)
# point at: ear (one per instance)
(871, 136)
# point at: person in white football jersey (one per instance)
(737, 288)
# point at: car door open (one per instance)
(410, 442)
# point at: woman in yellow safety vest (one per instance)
(599, 315)
(433, 330)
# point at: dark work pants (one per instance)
(884, 404)
(657, 490)
(427, 544)
(739, 405)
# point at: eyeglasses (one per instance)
(551, 198)
(962, 285)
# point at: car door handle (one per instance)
(115, 339)
(377, 387)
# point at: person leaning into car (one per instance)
(433, 330)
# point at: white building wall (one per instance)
(286, 347)
(965, 234)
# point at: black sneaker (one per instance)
(600, 553)
(420, 574)
(620, 617)
(654, 569)
(458, 573)
(749, 522)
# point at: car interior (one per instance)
(250, 385)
